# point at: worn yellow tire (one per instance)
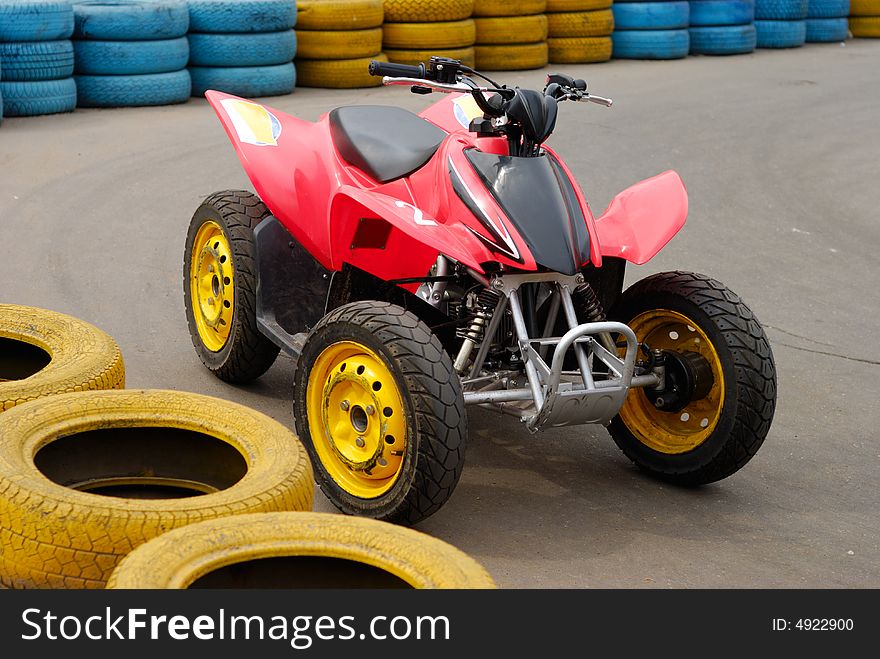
(416, 57)
(598, 23)
(338, 44)
(308, 550)
(338, 14)
(427, 11)
(579, 50)
(512, 58)
(452, 34)
(509, 7)
(511, 29)
(87, 477)
(337, 74)
(577, 5)
(864, 7)
(865, 26)
(44, 353)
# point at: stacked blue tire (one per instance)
(650, 30)
(827, 21)
(242, 47)
(723, 27)
(131, 52)
(36, 58)
(781, 23)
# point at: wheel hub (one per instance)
(690, 407)
(688, 378)
(357, 419)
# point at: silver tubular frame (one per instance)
(549, 396)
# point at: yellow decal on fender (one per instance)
(466, 109)
(253, 123)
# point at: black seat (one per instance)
(383, 141)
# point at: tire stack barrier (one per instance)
(651, 30)
(511, 34)
(242, 47)
(36, 58)
(131, 53)
(864, 18)
(781, 23)
(827, 21)
(722, 27)
(337, 40)
(579, 31)
(414, 31)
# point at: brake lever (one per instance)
(585, 97)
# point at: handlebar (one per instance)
(445, 75)
(523, 116)
(397, 70)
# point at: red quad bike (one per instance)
(416, 264)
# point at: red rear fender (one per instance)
(284, 157)
(643, 218)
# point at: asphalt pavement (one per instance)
(780, 151)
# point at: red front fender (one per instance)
(643, 218)
(406, 251)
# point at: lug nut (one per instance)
(659, 402)
(360, 442)
(345, 405)
(383, 462)
(211, 301)
(210, 268)
(370, 410)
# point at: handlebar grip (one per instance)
(396, 70)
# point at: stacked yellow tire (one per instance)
(864, 18)
(336, 39)
(307, 550)
(44, 353)
(415, 30)
(580, 31)
(511, 34)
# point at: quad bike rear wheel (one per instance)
(721, 380)
(380, 410)
(220, 287)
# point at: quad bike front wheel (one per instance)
(380, 409)
(220, 287)
(720, 391)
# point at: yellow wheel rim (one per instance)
(212, 285)
(685, 430)
(357, 419)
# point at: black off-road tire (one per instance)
(433, 402)
(748, 369)
(248, 353)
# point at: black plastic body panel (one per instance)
(292, 286)
(540, 201)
